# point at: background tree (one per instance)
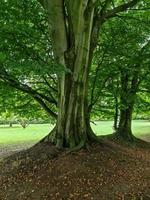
(126, 64)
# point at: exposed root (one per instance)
(124, 135)
(82, 145)
(93, 138)
(51, 137)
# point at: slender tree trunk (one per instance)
(10, 124)
(116, 115)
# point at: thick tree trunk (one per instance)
(80, 136)
(72, 48)
(75, 129)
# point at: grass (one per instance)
(17, 134)
(36, 132)
(139, 127)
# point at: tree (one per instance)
(74, 39)
(126, 64)
(74, 32)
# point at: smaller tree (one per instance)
(9, 118)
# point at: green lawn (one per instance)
(17, 134)
(139, 127)
(35, 132)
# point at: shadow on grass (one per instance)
(142, 142)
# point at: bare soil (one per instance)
(110, 171)
(9, 149)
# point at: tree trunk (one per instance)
(124, 128)
(71, 45)
(116, 114)
(127, 100)
(10, 124)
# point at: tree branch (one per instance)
(118, 9)
(46, 108)
(48, 84)
(95, 80)
(26, 89)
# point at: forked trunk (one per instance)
(74, 38)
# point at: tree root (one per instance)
(81, 145)
(94, 138)
(51, 137)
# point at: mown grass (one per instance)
(139, 127)
(17, 134)
(35, 132)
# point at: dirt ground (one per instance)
(110, 171)
(9, 149)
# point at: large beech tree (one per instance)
(74, 29)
